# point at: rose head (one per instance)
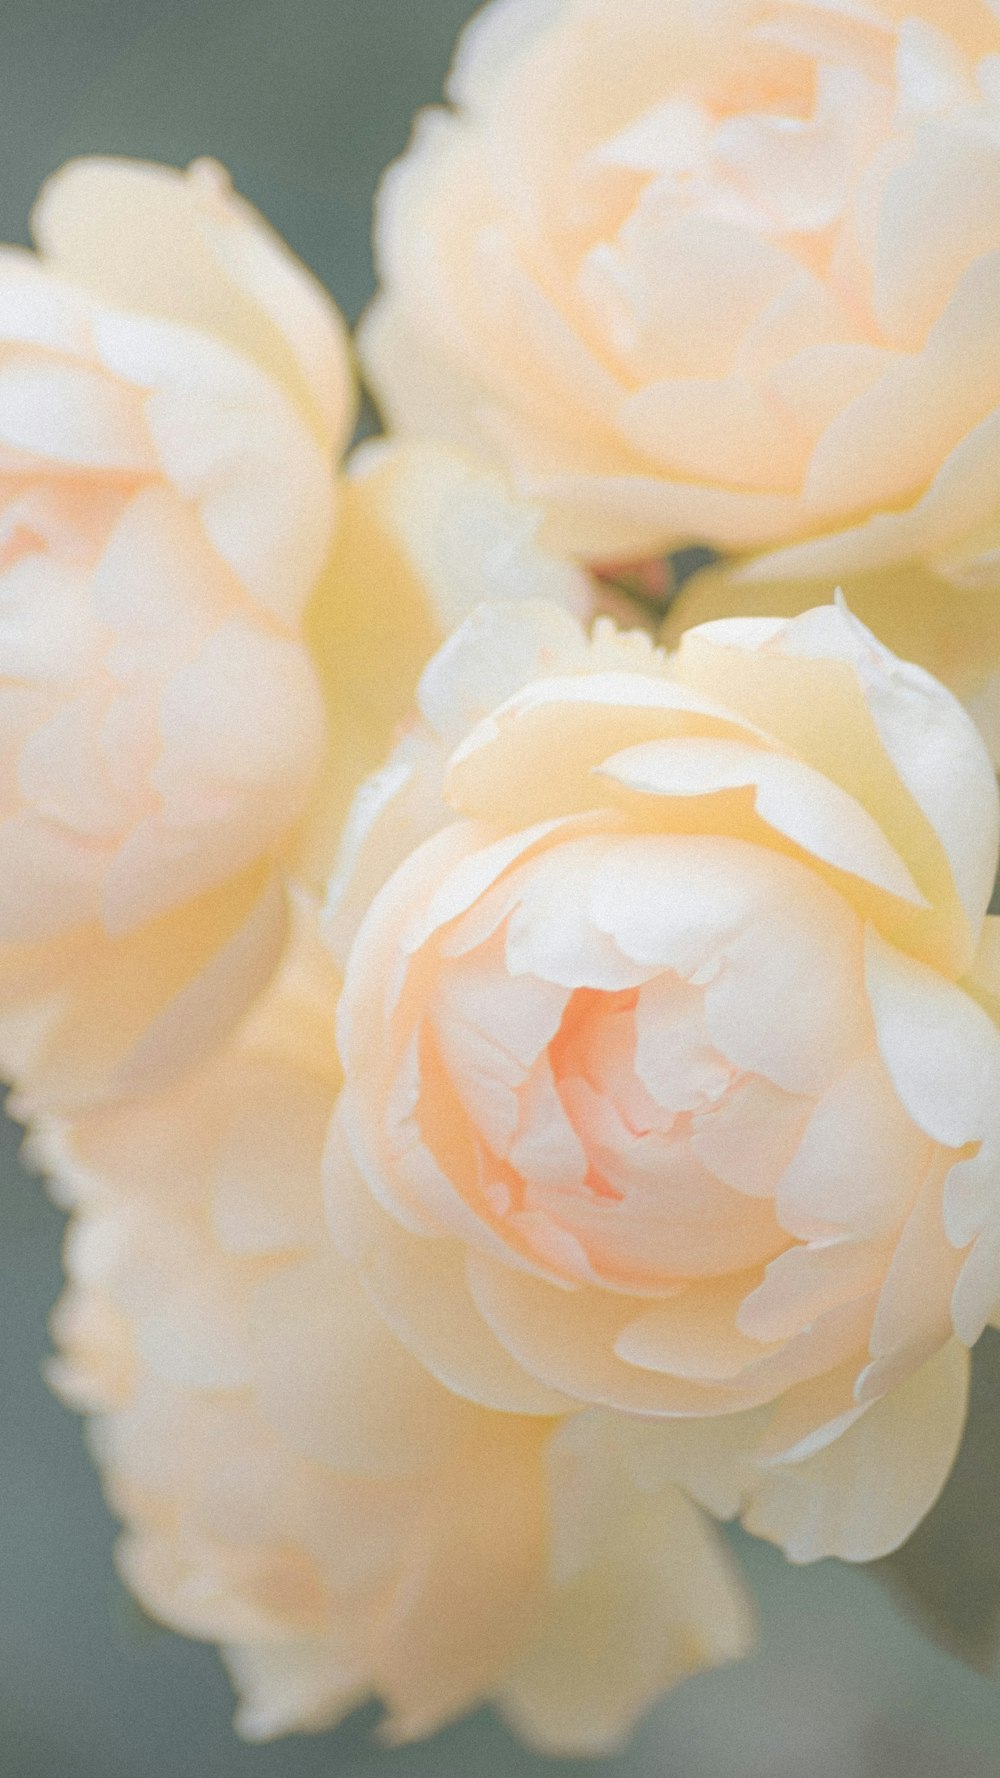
(661, 1089)
(295, 1486)
(174, 390)
(912, 608)
(725, 271)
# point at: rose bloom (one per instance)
(666, 1084)
(195, 667)
(727, 272)
(295, 1486)
(174, 387)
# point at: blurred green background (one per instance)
(306, 101)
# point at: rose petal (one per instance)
(861, 1497)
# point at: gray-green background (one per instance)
(306, 100)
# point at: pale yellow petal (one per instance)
(861, 1497)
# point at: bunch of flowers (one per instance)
(517, 1035)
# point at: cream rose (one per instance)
(725, 271)
(666, 1085)
(194, 676)
(296, 1487)
(174, 389)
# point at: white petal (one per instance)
(185, 246)
(861, 1160)
(941, 1050)
(861, 1497)
(73, 415)
(285, 1687)
(790, 796)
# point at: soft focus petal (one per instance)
(174, 391)
(145, 237)
(610, 1641)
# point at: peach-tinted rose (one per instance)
(714, 270)
(666, 1085)
(174, 390)
(296, 1487)
(194, 675)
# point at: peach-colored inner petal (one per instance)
(599, 1077)
(680, 1125)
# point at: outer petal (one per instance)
(575, 724)
(950, 631)
(463, 533)
(492, 42)
(567, 1340)
(862, 1496)
(959, 501)
(790, 797)
(661, 1601)
(101, 1018)
(336, 1385)
(940, 1048)
(292, 1686)
(231, 441)
(885, 731)
(458, 1622)
(186, 246)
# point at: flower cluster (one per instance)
(523, 1086)
(296, 1486)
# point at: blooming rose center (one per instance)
(738, 174)
(635, 1132)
